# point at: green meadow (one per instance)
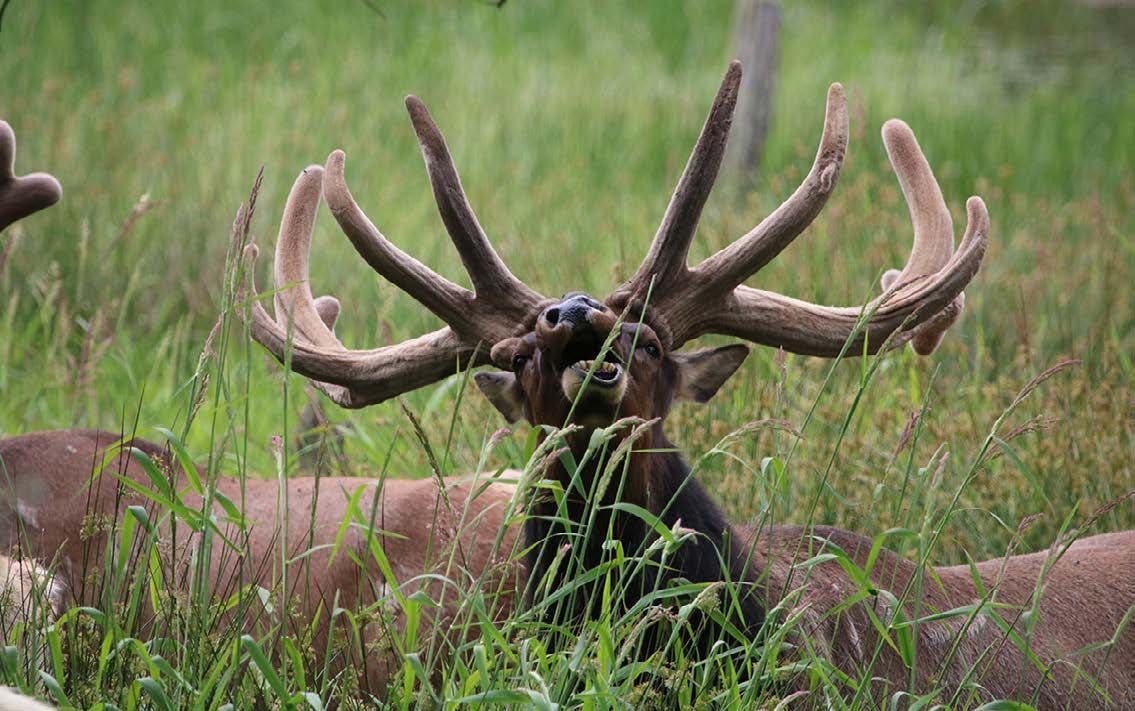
(570, 124)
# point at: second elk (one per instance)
(584, 362)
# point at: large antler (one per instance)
(499, 306)
(20, 196)
(922, 299)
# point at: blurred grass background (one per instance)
(570, 124)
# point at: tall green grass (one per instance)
(570, 125)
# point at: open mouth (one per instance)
(582, 356)
(607, 382)
(607, 374)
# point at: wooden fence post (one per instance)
(758, 48)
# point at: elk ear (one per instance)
(504, 392)
(701, 373)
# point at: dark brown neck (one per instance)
(656, 479)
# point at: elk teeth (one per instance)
(601, 367)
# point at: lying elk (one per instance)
(66, 492)
(20, 196)
(28, 591)
(585, 362)
(55, 517)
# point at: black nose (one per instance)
(574, 310)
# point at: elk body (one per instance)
(65, 501)
(586, 362)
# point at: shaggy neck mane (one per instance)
(662, 483)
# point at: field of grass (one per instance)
(570, 124)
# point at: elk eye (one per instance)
(652, 350)
(518, 361)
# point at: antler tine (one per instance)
(486, 269)
(21, 196)
(293, 247)
(666, 260)
(747, 255)
(447, 300)
(315, 351)
(312, 320)
(680, 311)
(328, 309)
(933, 228)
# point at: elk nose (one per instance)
(573, 311)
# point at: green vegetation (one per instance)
(570, 124)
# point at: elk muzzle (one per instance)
(572, 335)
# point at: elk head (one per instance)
(20, 196)
(583, 364)
(547, 349)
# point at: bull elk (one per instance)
(64, 495)
(585, 362)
